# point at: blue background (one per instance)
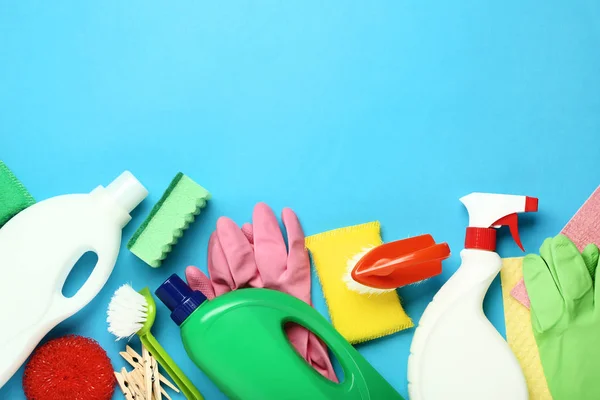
(346, 111)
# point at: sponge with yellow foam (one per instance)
(358, 317)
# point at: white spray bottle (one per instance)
(456, 353)
(39, 247)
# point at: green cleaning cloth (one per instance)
(13, 196)
(565, 316)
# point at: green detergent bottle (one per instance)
(238, 340)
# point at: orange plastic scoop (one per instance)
(401, 263)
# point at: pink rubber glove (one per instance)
(256, 256)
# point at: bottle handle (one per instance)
(61, 308)
(64, 307)
(361, 380)
(348, 357)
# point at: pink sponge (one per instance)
(519, 292)
(582, 229)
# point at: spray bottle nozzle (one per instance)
(488, 211)
(531, 204)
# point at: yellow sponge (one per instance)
(519, 333)
(358, 317)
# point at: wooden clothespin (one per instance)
(124, 385)
(136, 361)
(137, 378)
(168, 383)
(132, 357)
(148, 373)
(156, 380)
(134, 385)
(144, 381)
(164, 393)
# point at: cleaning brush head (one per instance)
(392, 265)
(354, 285)
(127, 312)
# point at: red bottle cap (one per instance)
(480, 238)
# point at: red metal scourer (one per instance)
(71, 367)
(400, 263)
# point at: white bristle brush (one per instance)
(129, 313)
(359, 287)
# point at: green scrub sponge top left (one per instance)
(14, 198)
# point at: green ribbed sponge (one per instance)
(14, 198)
(174, 212)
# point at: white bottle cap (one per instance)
(127, 191)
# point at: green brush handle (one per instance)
(182, 381)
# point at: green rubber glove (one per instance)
(565, 316)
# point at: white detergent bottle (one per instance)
(456, 353)
(39, 247)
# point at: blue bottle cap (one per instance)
(179, 298)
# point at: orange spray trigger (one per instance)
(400, 263)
